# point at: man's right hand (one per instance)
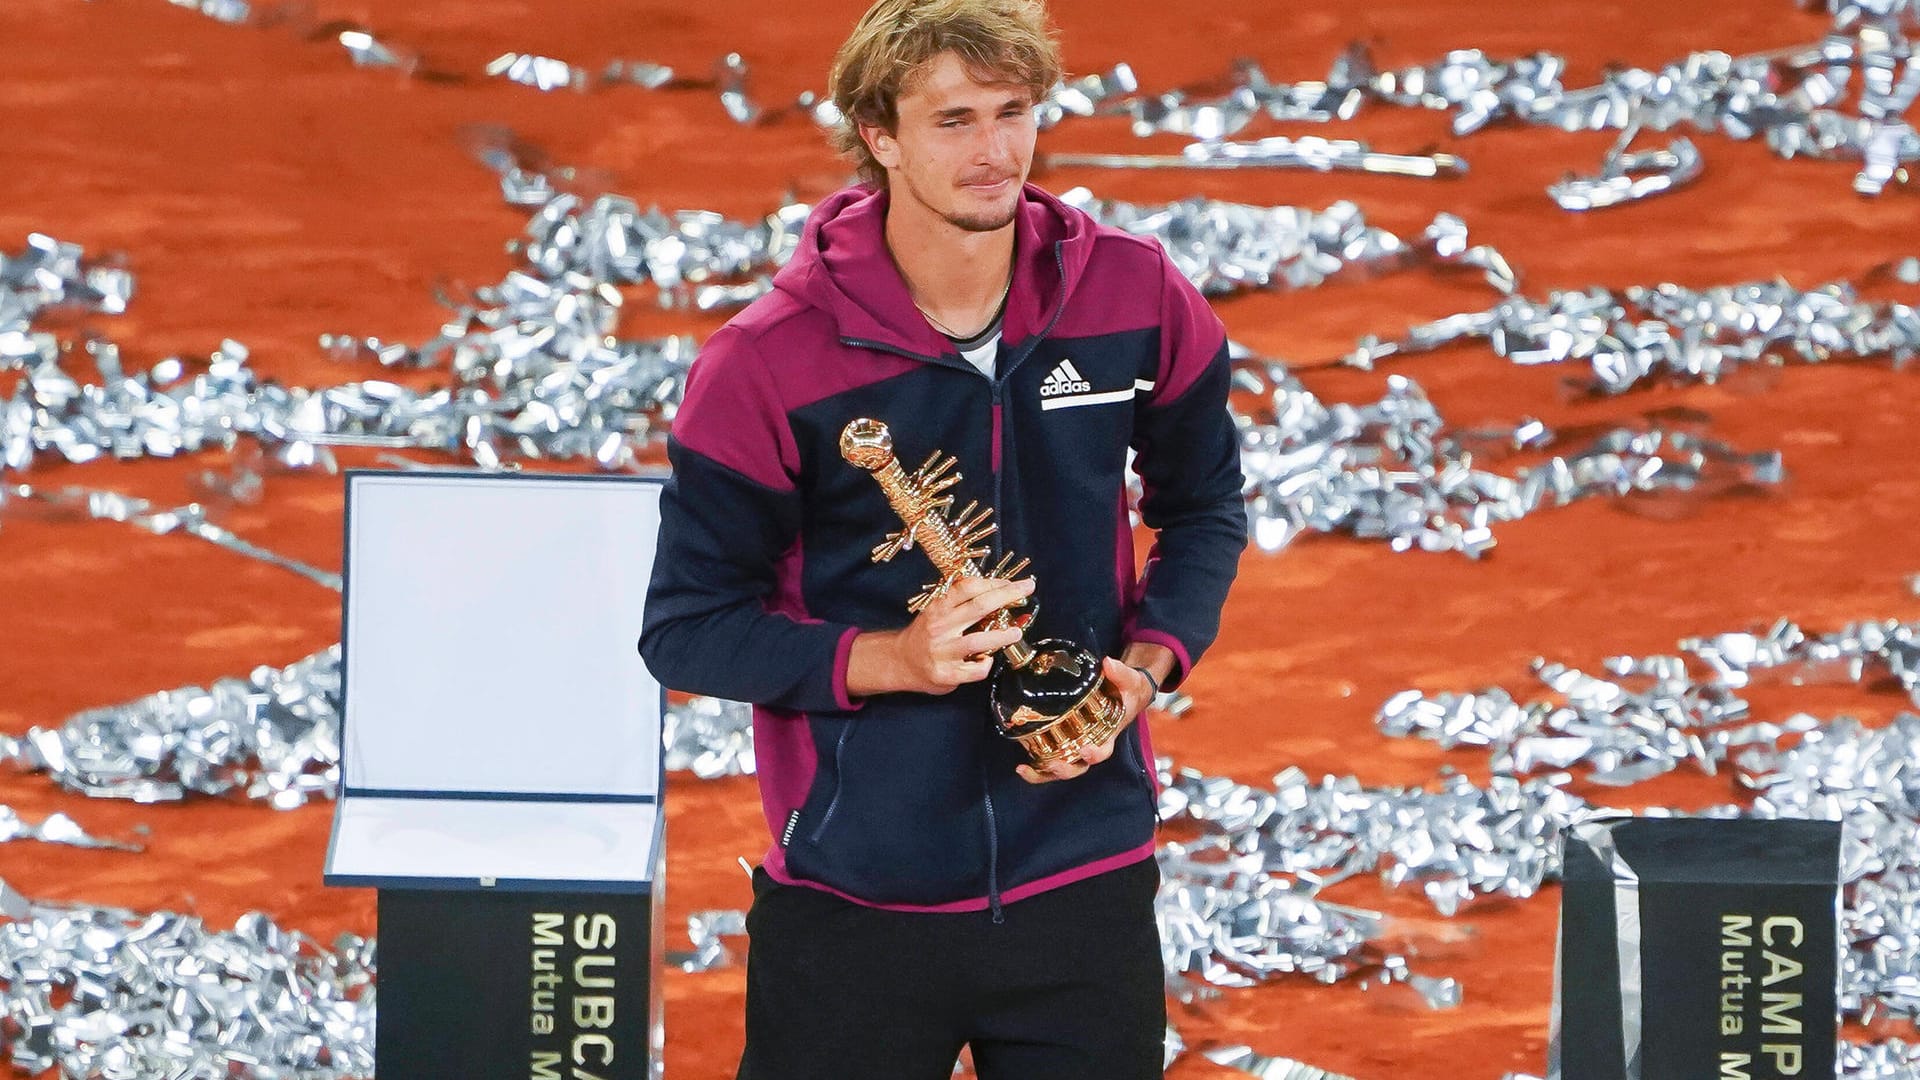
(936, 652)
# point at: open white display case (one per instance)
(498, 727)
(501, 770)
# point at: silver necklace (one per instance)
(947, 330)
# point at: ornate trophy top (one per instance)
(867, 444)
(954, 542)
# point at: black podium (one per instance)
(501, 772)
(1697, 947)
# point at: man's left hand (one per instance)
(1136, 693)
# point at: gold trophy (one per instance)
(1049, 696)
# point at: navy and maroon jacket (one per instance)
(763, 575)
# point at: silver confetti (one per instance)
(1226, 247)
(539, 72)
(161, 995)
(368, 51)
(1645, 716)
(233, 12)
(1393, 470)
(706, 930)
(1628, 177)
(54, 829)
(1890, 1059)
(1238, 906)
(1309, 152)
(1789, 98)
(709, 738)
(1666, 331)
(1864, 778)
(272, 737)
(539, 377)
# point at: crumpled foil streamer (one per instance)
(1312, 474)
(539, 377)
(1225, 247)
(110, 994)
(709, 738)
(1393, 470)
(1309, 152)
(55, 829)
(1645, 333)
(1891, 1059)
(101, 505)
(233, 12)
(704, 261)
(707, 931)
(701, 260)
(273, 736)
(1645, 716)
(1626, 177)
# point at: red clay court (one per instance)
(265, 190)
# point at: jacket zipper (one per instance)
(986, 779)
(993, 851)
(999, 540)
(997, 382)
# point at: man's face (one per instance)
(962, 148)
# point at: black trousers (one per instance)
(1067, 987)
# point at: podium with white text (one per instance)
(1697, 947)
(501, 771)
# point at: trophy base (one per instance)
(1058, 704)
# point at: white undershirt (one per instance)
(985, 356)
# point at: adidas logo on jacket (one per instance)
(1064, 379)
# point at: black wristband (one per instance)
(1151, 681)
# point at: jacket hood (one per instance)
(842, 267)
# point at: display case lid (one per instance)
(489, 663)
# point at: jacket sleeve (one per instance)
(728, 515)
(1187, 453)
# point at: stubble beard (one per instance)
(986, 221)
(981, 223)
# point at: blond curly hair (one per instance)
(1000, 41)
